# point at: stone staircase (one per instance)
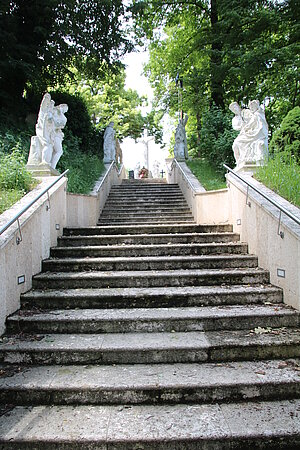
(149, 331)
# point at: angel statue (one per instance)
(180, 147)
(46, 146)
(251, 145)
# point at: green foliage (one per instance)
(40, 40)
(282, 175)
(287, 137)
(206, 174)
(15, 180)
(13, 173)
(216, 138)
(223, 51)
(84, 168)
(108, 100)
(9, 198)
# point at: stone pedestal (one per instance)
(249, 168)
(42, 170)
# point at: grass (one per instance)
(206, 174)
(9, 198)
(282, 175)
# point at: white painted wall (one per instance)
(38, 227)
(257, 224)
(84, 210)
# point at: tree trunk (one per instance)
(217, 90)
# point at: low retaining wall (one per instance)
(256, 221)
(209, 207)
(84, 210)
(40, 227)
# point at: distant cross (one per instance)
(162, 173)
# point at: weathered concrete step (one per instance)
(143, 220)
(145, 210)
(149, 263)
(148, 229)
(153, 239)
(150, 348)
(150, 384)
(146, 214)
(246, 425)
(146, 195)
(142, 278)
(147, 189)
(152, 297)
(135, 320)
(155, 202)
(148, 250)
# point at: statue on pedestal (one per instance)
(119, 153)
(251, 145)
(180, 147)
(109, 145)
(46, 147)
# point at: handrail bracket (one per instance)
(19, 238)
(48, 206)
(280, 233)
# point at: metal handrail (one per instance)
(105, 176)
(281, 208)
(17, 216)
(183, 174)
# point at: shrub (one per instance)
(287, 137)
(13, 173)
(216, 138)
(84, 168)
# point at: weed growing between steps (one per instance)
(208, 176)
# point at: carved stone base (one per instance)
(42, 170)
(249, 168)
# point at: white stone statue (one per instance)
(46, 146)
(180, 147)
(119, 153)
(137, 170)
(155, 169)
(109, 145)
(251, 145)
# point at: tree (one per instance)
(40, 40)
(224, 51)
(108, 100)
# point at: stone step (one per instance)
(233, 248)
(148, 320)
(145, 213)
(148, 188)
(149, 263)
(143, 220)
(245, 425)
(148, 229)
(145, 210)
(166, 196)
(152, 297)
(148, 239)
(141, 278)
(131, 203)
(150, 384)
(150, 348)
